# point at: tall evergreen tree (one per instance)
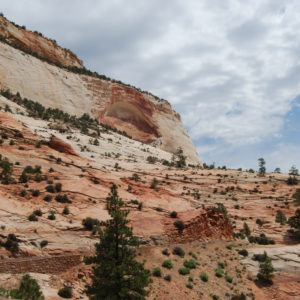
(266, 269)
(262, 166)
(116, 273)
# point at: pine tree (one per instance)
(262, 166)
(266, 269)
(29, 289)
(247, 229)
(116, 273)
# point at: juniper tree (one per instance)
(116, 273)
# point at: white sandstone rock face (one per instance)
(142, 116)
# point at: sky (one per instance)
(231, 68)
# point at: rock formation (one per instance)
(143, 116)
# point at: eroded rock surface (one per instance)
(143, 116)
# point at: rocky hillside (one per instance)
(57, 165)
(49, 78)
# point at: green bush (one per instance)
(228, 278)
(156, 272)
(184, 271)
(190, 264)
(167, 264)
(179, 225)
(12, 244)
(65, 292)
(222, 264)
(38, 212)
(43, 243)
(165, 252)
(243, 252)
(33, 218)
(229, 247)
(66, 210)
(204, 277)
(58, 187)
(23, 193)
(168, 277)
(280, 217)
(239, 297)
(35, 193)
(173, 214)
(219, 272)
(178, 251)
(62, 199)
(29, 289)
(48, 198)
(90, 223)
(52, 216)
(50, 189)
(189, 285)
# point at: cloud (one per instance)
(230, 68)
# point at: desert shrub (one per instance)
(38, 212)
(189, 285)
(151, 159)
(65, 292)
(58, 187)
(228, 278)
(154, 183)
(90, 223)
(33, 218)
(204, 277)
(35, 193)
(23, 193)
(239, 297)
(167, 264)
(280, 217)
(259, 222)
(23, 178)
(173, 214)
(219, 272)
(48, 198)
(222, 264)
(165, 252)
(11, 243)
(179, 225)
(52, 216)
(178, 251)
(191, 264)
(43, 243)
(62, 199)
(229, 247)
(260, 257)
(243, 252)
(156, 272)
(66, 210)
(135, 177)
(50, 189)
(184, 271)
(261, 240)
(168, 277)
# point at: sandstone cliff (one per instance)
(34, 42)
(143, 116)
